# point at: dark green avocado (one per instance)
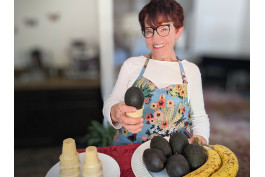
(134, 97)
(177, 142)
(195, 154)
(177, 166)
(158, 142)
(154, 160)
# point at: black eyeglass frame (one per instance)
(155, 29)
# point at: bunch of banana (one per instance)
(212, 164)
(229, 162)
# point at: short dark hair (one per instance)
(157, 12)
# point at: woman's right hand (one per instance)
(118, 114)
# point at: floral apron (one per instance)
(166, 111)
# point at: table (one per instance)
(122, 154)
(56, 84)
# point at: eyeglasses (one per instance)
(162, 30)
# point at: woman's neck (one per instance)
(171, 58)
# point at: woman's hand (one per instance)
(201, 140)
(117, 113)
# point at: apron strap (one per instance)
(184, 79)
(143, 69)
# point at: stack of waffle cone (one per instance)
(92, 166)
(137, 113)
(69, 159)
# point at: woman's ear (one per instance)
(178, 32)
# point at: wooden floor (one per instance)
(35, 162)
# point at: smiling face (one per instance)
(160, 12)
(162, 48)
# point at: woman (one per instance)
(171, 86)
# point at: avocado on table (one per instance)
(154, 160)
(158, 142)
(177, 166)
(177, 142)
(196, 155)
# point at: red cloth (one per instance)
(122, 154)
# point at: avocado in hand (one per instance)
(154, 160)
(158, 142)
(134, 97)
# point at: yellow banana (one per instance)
(229, 162)
(212, 164)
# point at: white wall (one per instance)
(221, 27)
(87, 20)
(78, 20)
(105, 9)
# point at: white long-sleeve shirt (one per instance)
(162, 74)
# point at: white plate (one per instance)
(109, 165)
(138, 165)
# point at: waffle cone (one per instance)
(138, 113)
(69, 149)
(73, 172)
(93, 172)
(91, 156)
(92, 166)
(96, 175)
(69, 158)
(67, 164)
